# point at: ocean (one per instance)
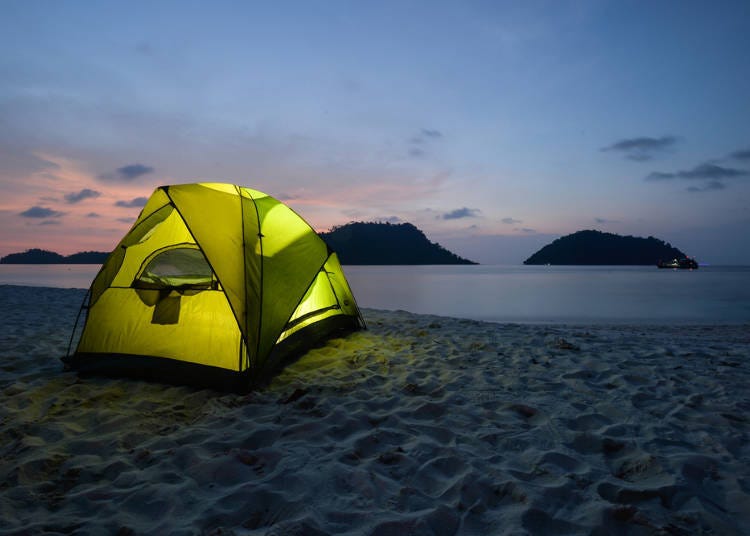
(519, 294)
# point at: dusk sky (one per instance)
(493, 126)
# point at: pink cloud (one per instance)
(68, 192)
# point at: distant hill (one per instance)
(385, 243)
(42, 256)
(598, 248)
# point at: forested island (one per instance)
(599, 248)
(386, 243)
(355, 243)
(42, 256)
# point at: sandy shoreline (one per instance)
(420, 425)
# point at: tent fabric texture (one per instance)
(214, 285)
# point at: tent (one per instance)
(215, 285)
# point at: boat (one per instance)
(685, 263)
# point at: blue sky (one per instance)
(493, 126)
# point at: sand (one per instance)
(420, 425)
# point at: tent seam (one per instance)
(119, 245)
(260, 290)
(187, 226)
(244, 277)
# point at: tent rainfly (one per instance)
(214, 285)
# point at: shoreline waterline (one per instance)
(516, 294)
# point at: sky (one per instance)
(495, 127)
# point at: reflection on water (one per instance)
(557, 294)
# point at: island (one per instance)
(592, 247)
(42, 256)
(355, 243)
(386, 243)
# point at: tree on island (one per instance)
(42, 256)
(598, 248)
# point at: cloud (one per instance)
(136, 202)
(525, 230)
(127, 173)
(605, 220)
(93, 215)
(418, 142)
(460, 213)
(711, 186)
(389, 219)
(660, 175)
(642, 148)
(50, 222)
(707, 171)
(743, 154)
(126, 220)
(41, 212)
(86, 193)
(431, 133)
(510, 221)
(145, 49)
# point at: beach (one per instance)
(419, 425)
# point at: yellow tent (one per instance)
(215, 285)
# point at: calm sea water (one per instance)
(528, 294)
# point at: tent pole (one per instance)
(84, 305)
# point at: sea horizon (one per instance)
(515, 293)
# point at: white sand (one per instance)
(421, 425)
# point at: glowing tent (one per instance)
(214, 285)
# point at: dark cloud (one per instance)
(86, 193)
(642, 148)
(525, 230)
(639, 156)
(137, 202)
(425, 135)
(460, 213)
(126, 220)
(711, 186)
(93, 215)
(431, 133)
(510, 221)
(127, 173)
(660, 175)
(144, 49)
(50, 222)
(41, 212)
(741, 155)
(707, 171)
(418, 142)
(605, 220)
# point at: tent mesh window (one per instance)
(179, 268)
